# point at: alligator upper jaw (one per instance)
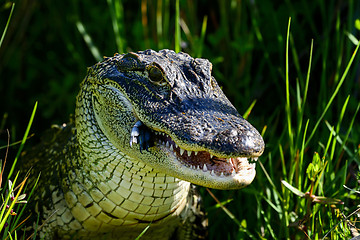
(203, 168)
(205, 161)
(222, 158)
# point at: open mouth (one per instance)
(204, 161)
(202, 167)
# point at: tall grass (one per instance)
(13, 197)
(298, 84)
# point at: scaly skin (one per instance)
(147, 124)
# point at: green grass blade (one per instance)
(166, 24)
(159, 23)
(308, 75)
(15, 143)
(143, 232)
(352, 38)
(306, 89)
(202, 37)
(293, 189)
(287, 106)
(116, 13)
(269, 179)
(283, 164)
(334, 94)
(177, 27)
(230, 215)
(3, 218)
(23, 140)
(339, 140)
(248, 111)
(36, 227)
(218, 205)
(296, 60)
(89, 42)
(338, 125)
(332, 132)
(302, 151)
(348, 134)
(7, 24)
(10, 236)
(28, 199)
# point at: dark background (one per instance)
(44, 58)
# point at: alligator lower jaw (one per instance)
(207, 163)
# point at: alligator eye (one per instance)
(155, 74)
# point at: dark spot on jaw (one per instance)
(110, 215)
(154, 221)
(89, 205)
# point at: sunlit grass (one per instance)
(13, 194)
(315, 216)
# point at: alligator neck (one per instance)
(124, 190)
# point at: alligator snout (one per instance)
(243, 140)
(223, 134)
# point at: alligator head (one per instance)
(167, 110)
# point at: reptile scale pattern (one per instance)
(147, 126)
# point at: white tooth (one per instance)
(181, 151)
(205, 168)
(159, 141)
(176, 146)
(189, 153)
(222, 174)
(195, 153)
(233, 172)
(211, 156)
(212, 172)
(194, 167)
(167, 144)
(198, 167)
(163, 143)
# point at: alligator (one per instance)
(147, 126)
